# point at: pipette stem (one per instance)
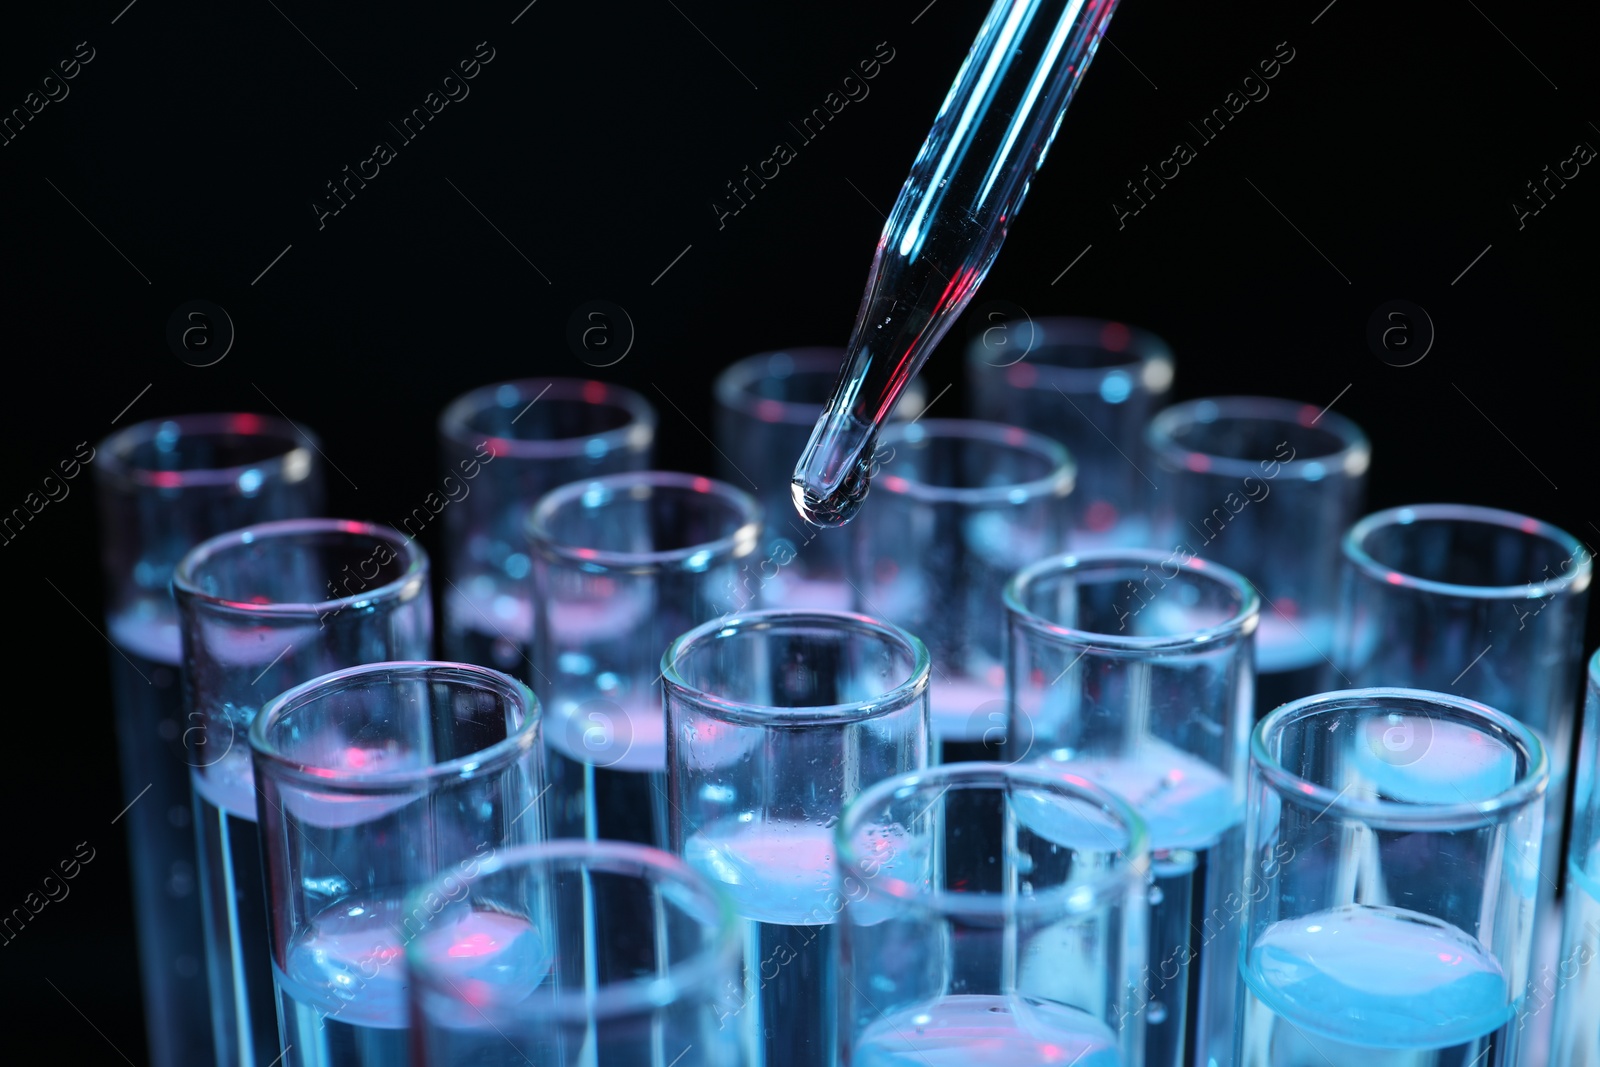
(965, 187)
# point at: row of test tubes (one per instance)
(979, 777)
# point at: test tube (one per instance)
(507, 970)
(775, 721)
(1577, 980)
(1037, 968)
(1485, 604)
(960, 506)
(164, 486)
(1135, 671)
(1392, 844)
(262, 609)
(1091, 384)
(502, 447)
(766, 407)
(371, 782)
(1266, 487)
(622, 565)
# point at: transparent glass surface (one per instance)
(372, 781)
(775, 721)
(1575, 985)
(513, 964)
(1392, 866)
(1091, 384)
(963, 193)
(502, 447)
(260, 610)
(164, 486)
(961, 506)
(1482, 603)
(1266, 487)
(766, 407)
(1137, 673)
(622, 565)
(993, 913)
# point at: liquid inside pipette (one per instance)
(946, 228)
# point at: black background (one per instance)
(595, 142)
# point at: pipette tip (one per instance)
(840, 506)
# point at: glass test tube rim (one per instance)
(732, 385)
(1351, 459)
(1146, 352)
(638, 432)
(1242, 623)
(1059, 901)
(411, 583)
(677, 689)
(1389, 815)
(485, 762)
(741, 542)
(1352, 545)
(731, 388)
(291, 465)
(615, 857)
(1058, 482)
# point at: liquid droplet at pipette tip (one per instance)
(838, 507)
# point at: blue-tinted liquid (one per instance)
(780, 878)
(148, 705)
(968, 719)
(1362, 986)
(343, 991)
(1291, 659)
(1186, 996)
(499, 966)
(318, 1036)
(493, 630)
(233, 886)
(959, 1031)
(607, 767)
(1577, 1011)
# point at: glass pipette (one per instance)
(946, 228)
